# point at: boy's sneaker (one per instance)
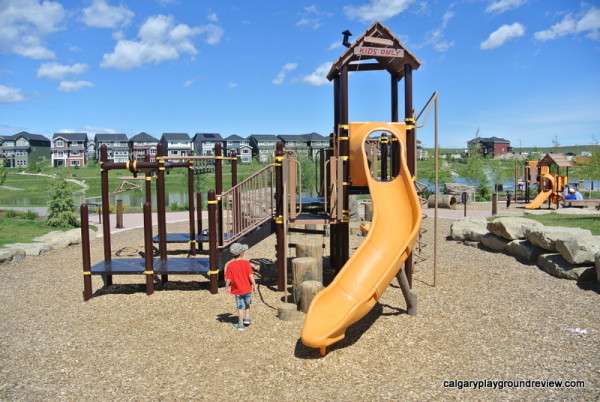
(239, 327)
(247, 321)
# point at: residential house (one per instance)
(316, 142)
(493, 146)
(296, 143)
(422, 154)
(263, 146)
(143, 144)
(23, 148)
(117, 147)
(69, 149)
(176, 144)
(241, 146)
(204, 143)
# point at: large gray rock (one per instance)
(494, 242)
(475, 233)
(457, 230)
(546, 236)
(579, 250)
(598, 267)
(59, 239)
(10, 255)
(457, 189)
(524, 250)
(512, 228)
(31, 248)
(557, 266)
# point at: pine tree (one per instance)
(61, 207)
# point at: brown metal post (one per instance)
(411, 145)
(219, 189)
(199, 218)
(279, 228)
(383, 141)
(191, 211)
(237, 202)
(105, 210)
(344, 152)
(85, 248)
(212, 242)
(149, 187)
(149, 260)
(161, 214)
(495, 204)
(395, 148)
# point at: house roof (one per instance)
(71, 136)
(554, 159)
(376, 36)
(28, 136)
(143, 137)
(314, 137)
(490, 139)
(264, 137)
(292, 137)
(208, 137)
(110, 137)
(176, 137)
(235, 137)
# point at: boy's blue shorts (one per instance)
(243, 301)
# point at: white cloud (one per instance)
(436, 39)
(159, 39)
(377, 10)
(102, 15)
(72, 86)
(500, 6)
(56, 71)
(312, 17)
(10, 95)
(232, 84)
(335, 45)
(586, 22)
(25, 23)
(188, 83)
(503, 34)
(282, 73)
(213, 17)
(319, 76)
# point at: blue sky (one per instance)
(524, 70)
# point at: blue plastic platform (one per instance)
(132, 266)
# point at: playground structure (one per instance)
(363, 158)
(550, 185)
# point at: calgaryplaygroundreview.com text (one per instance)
(502, 384)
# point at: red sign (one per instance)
(378, 51)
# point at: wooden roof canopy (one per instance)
(554, 159)
(376, 36)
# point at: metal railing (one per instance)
(248, 205)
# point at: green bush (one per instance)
(482, 193)
(11, 214)
(61, 207)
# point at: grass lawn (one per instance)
(22, 231)
(590, 222)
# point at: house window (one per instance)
(152, 151)
(74, 163)
(74, 153)
(59, 143)
(59, 154)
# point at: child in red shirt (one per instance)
(239, 281)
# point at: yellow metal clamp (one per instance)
(344, 126)
(148, 178)
(193, 241)
(346, 211)
(135, 165)
(343, 138)
(212, 202)
(384, 140)
(87, 272)
(345, 183)
(213, 272)
(161, 168)
(148, 272)
(279, 219)
(127, 165)
(344, 158)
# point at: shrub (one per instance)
(61, 206)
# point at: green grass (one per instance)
(21, 231)
(590, 222)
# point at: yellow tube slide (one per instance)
(369, 271)
(543, 195)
